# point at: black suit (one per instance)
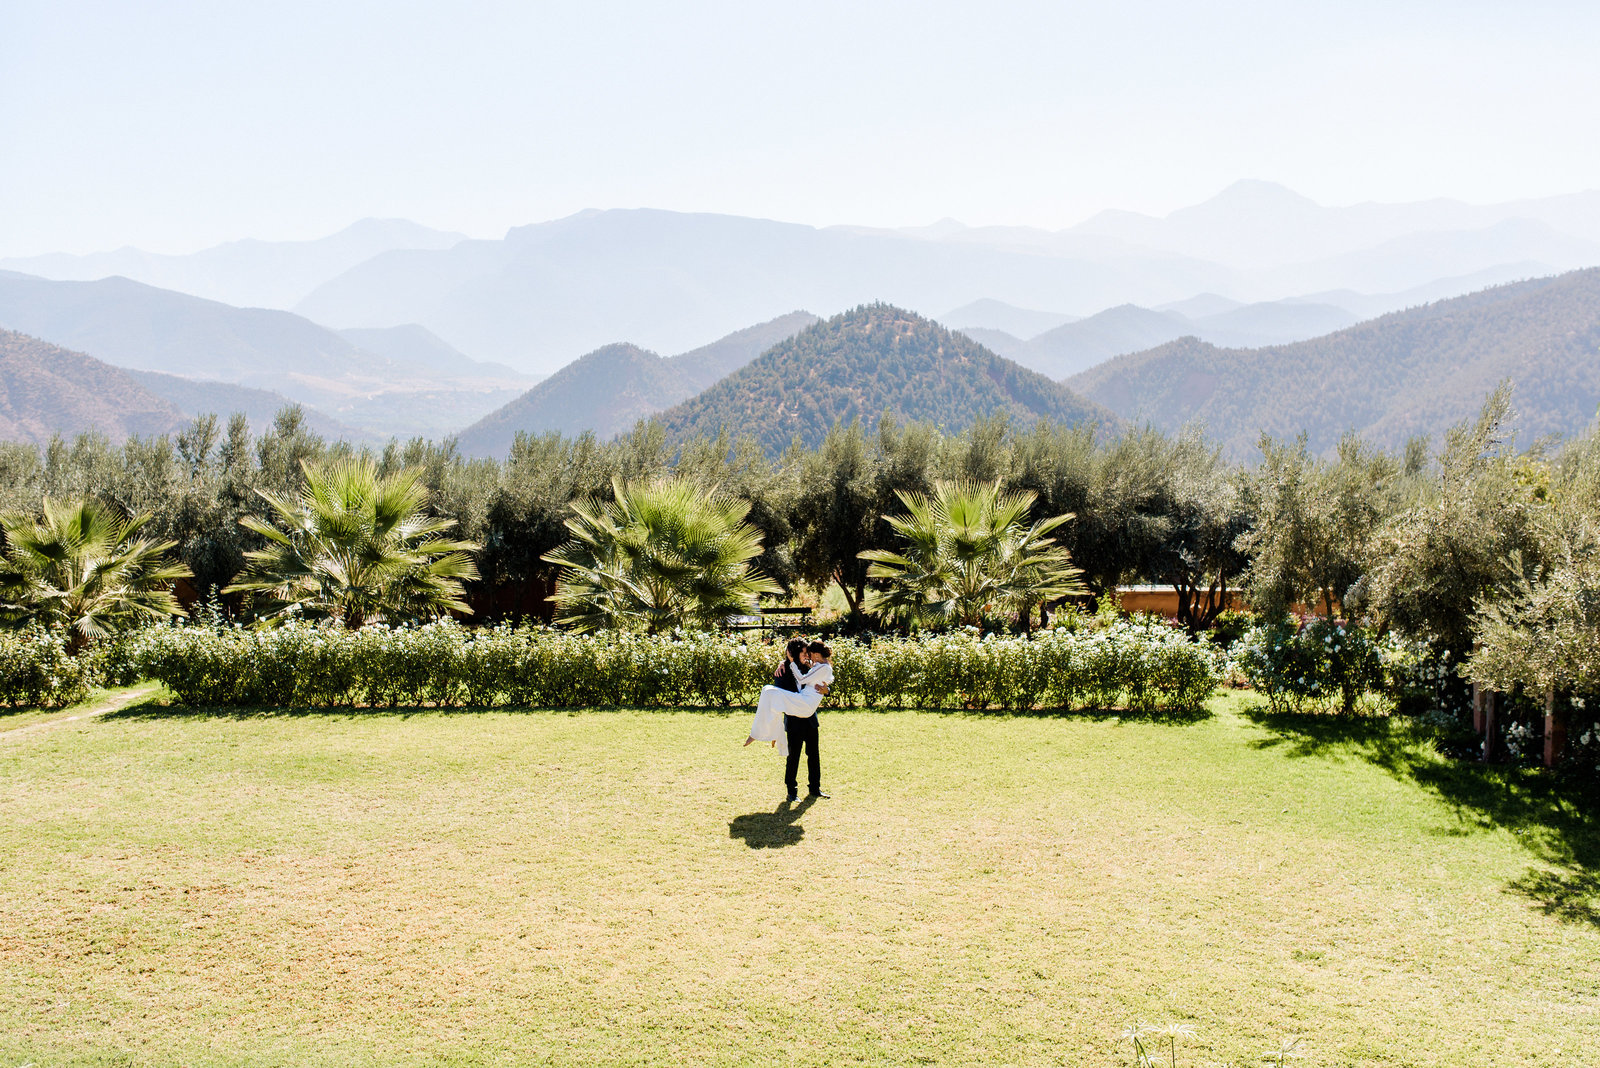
(802, 730)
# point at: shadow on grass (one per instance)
(1552, 816)
(771, 830)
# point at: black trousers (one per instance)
(802, 730)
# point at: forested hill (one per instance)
(612, 388)
(1411, 372)
(45, 390)
(864, 363)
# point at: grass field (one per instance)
(615, 887)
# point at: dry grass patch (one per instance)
(624, 888)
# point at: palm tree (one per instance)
(356, 546)
(663, 554)
(84, 568)
(969, 550)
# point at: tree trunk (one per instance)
(854, 602)
(1185, 593)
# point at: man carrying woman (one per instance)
(787, 712)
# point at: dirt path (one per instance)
(109, 704)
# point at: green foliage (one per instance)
(1230, 625)
(1321, 664)
(1439, 551)
(1538, 626)
(969, 551)
(1315, 520)
(845, 488)
(1463, 540)
(355, 545)
(38, 670)
(83, 568)
(660, 556)
(1141, 666)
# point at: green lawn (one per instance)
(624, 888)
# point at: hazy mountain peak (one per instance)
(991, 314)
(394, 230)
(1255, 194)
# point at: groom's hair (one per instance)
(818, 649)
(796, 647)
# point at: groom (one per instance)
(801, 731)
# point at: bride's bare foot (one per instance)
(747, 741)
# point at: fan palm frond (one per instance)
(354, 545)
(84, 567)
(662, 554)
(968, 550)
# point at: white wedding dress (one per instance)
(776, 702)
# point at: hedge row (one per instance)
(1142, 666)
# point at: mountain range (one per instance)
(249, 273)
(140, 327)
(1082, 343)
(667, 281)
(1406, 373)
(1298, 311)
(863, 365)
(610, 389)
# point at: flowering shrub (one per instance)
(1424, 680)
(1145, 667)
(36, 671)
(1315, 664)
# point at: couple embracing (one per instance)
(787, 713)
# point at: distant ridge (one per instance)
(249, 273)
(140, 327)
(612, 388)
(193, 397)
(134, 325)
(1076, 346)
(47, 390)
(416, 345)
(1410, 372)
(862, 364)
(1079, 345)
(997, 315)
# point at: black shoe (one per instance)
(818, 795)
(792, 797)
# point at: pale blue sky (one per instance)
(176, 125)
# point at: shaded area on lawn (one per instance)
(1552, 816)
(772, 830)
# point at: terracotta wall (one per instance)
(1162, 600)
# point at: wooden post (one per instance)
(1555, 729)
